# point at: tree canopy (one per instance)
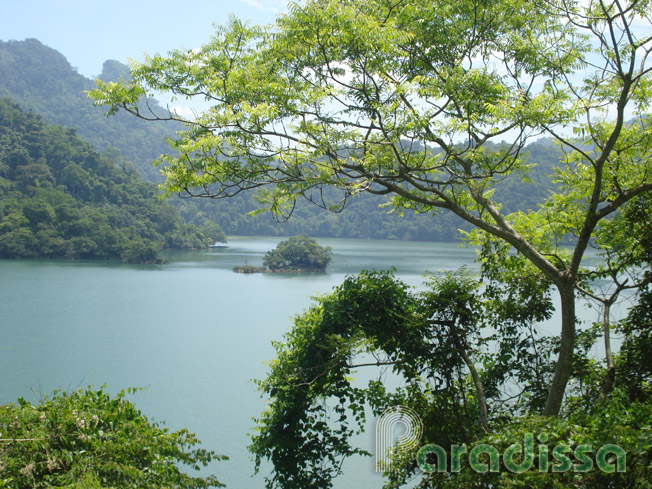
(404, 98)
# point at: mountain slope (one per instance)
(59, 198)
(42, 80)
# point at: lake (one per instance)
(193, 332)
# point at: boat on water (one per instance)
(218, 245)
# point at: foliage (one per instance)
(61, 199)
(635, 374)
(89, 439)
(374, 320)
(467, 385)
(617, 421)
(312, 368)
(298, 253)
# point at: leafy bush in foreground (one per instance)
(88, 439)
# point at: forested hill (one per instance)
(60, 198)
(42, 80)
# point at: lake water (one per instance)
(192, 332)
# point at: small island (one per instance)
(296, 254)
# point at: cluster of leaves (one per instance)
(618, 421)
(298, 253)
(428, 339)
(88, 439)
(61, 199)
(312, 367)
(634, 374)
(622, 417)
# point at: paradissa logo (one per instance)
(399, 429)
(396, 417)
(519, 458)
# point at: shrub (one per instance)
(92, 440)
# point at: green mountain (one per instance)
(60, 198)
(42, 80)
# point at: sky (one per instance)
(89, 32)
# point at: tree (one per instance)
(467, 358)
(90, 439)
(298, 253)
(404, 99)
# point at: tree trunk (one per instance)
(483, 415)
(567, 347)
(606, 325)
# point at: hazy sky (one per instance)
(89, 32)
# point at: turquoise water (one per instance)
(192, 332)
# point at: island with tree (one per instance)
(295, 254)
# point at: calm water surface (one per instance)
(192, 332)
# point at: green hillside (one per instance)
(42, 80)
(59, 198)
